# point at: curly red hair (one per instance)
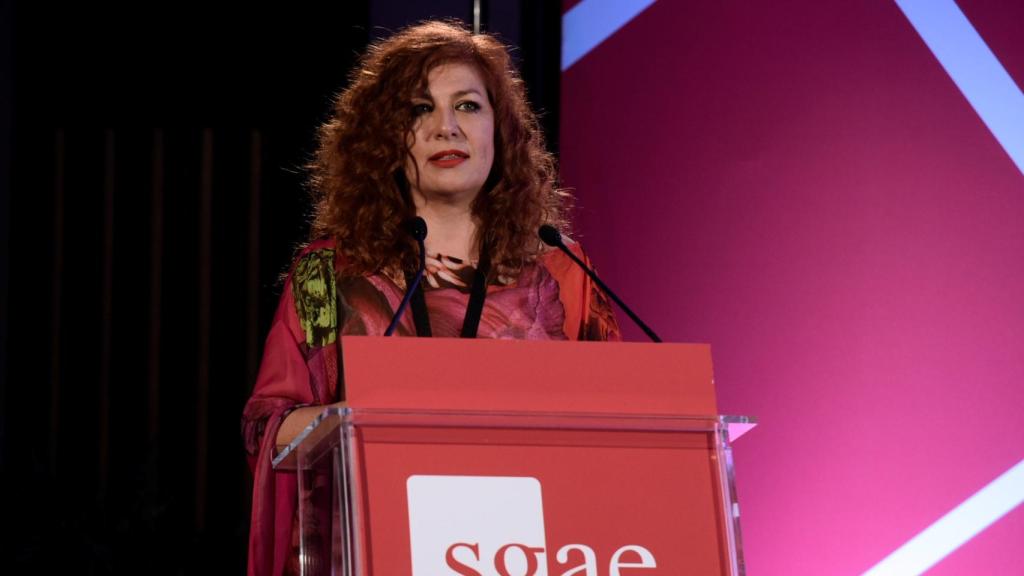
(357, 176)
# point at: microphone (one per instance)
(552, 237)
(417, 228)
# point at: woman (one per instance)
(434, 124)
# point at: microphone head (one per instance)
(550, 235)
(417, 227)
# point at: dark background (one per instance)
(152, 193)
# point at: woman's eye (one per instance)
(420, 109)
(468, 106)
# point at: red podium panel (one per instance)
(521, 458)
(517, 375)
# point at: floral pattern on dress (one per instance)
(313, 288)
(526, 308)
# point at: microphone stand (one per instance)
(552, 237)
(418, 229)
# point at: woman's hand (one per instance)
(297, 420)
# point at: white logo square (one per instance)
(450, 515)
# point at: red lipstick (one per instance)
(448, 158)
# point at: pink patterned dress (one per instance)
(550, 299)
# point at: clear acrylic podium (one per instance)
(561, 458)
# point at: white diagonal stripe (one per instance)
(974, 68)
(957, 527)
(592, 21)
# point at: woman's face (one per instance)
(453, 145)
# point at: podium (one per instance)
(514, 458)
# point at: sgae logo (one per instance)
(494, 526)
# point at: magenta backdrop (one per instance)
(802, 185)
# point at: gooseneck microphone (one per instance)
(552, 237)
(417, 228)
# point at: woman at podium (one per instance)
(434, 124)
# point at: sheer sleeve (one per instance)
(299, 367)
(588, 313)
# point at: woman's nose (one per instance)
(447, 124)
